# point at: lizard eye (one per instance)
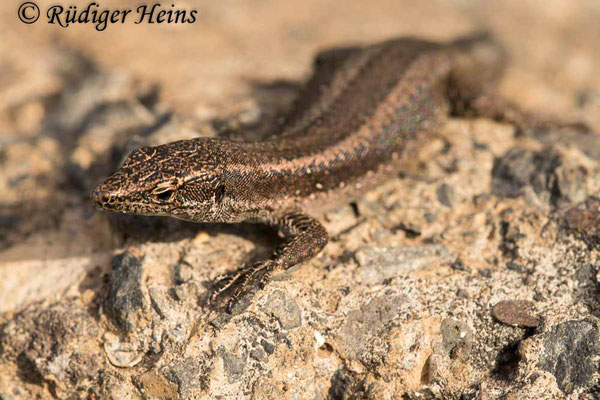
(163, 194)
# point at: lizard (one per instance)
(358, 120)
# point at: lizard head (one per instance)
(181, 179)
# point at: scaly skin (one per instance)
(362, 115)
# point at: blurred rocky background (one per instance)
(474, 276)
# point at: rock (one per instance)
(347, 385)
(586, 276)
(188, 374)
(514, 170)
(122, 354)
(401, 352)
(584, 220)
(154, 385)
(361, 325)
(457, 339)
(116, 386)
(183, 273)
(515, 313)
(551, 177)
(234, 365)
(57, 345)
(284, 309)
(569, 352)
(378, 264)
(569, 184)
(125, 299)
(161, 303)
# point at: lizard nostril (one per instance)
(102, 198)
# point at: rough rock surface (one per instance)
(474, 275)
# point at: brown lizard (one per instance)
(362, 115)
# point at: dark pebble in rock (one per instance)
(515, 313)
(569, 351)
(445, 194)
(125, 301)
(429, 217)
(459, 265)
(486, 273)
(269, 347)
(586, 276)
(513, 266)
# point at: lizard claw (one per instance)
(242, 283)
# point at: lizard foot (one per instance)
(242, 284)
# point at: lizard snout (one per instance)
(103, 198)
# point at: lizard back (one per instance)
(356, 116)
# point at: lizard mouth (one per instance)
(103, 199)
(109, 200)
(100, 200)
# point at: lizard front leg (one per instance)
(304, 238)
